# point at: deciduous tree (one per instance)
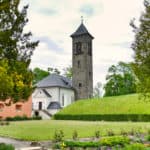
(120, 80)
(16, 49)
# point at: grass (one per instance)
(126, 104)
(44, 130)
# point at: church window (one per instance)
(18, 107)
(78, 48)
(80, 85)
(79, 64)
(63, 100)
(89, 74)
(90, 49)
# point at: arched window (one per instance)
(79, 64)
(89, 48)
(78, 48)
(80, 85)
(18, 107)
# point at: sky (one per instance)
(53, 21)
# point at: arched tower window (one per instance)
(79, 64)
(89, 49)
(78, 48)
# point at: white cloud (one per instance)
(109, 24)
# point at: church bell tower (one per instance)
(82, 63)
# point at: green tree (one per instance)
(68, 72)
(53, 70)
(16, 49)
(39, 74)
(141, 48)
(120, 80)
(5, 80)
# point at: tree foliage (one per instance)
(16, 49)
(120, 80)
(98, 90)
(68, 72)
(39, 74)
(141, 48)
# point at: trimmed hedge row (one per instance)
(22, 118)
(104, 117)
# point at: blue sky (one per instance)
(53, 21)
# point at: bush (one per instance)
(104, 117)
(72, 144)
(110, 132)
(4, 146)
(58, 136)
(97, 134)
(75, 135)
(22, 118)
(105, 141)
(135, 146)
(114, 140)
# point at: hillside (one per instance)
(126, 104)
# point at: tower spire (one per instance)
(82, 19)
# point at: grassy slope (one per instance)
(110, 105)
(44, 130)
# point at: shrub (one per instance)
(75, 135)
(72, 144)
(132, 132)
(114, 140)
(148, 137)
(58, 136)
(22, 118)
(123, 132)
(110, 133)
(135, 146)
(97, 134)
(105, 141)
(4, 146)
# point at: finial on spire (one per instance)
(82, 19)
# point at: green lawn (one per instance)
(126, 104)
(44, 130)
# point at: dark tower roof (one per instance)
(82, 30)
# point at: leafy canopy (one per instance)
(120, 80)
(16, 49)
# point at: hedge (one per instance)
(22, 118)
(4, 146)
(104, 117)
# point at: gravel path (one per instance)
(21, 144)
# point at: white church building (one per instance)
(51, 94)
